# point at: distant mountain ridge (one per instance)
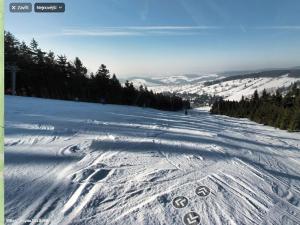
(226, 85)
(173, 80)
(269, 73)
(214, 77)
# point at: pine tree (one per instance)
(44, 75)
(295, 121)
(274, 110)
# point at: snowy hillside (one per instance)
(80, 163)
(233, 89)
(173, 80)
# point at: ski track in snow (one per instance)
(80, 163)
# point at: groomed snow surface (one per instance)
(79, 163)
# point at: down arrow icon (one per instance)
(191, 218)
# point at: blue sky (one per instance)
(168, 37)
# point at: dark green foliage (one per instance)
(43, 75)
(274, 110)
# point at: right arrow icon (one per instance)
(202, 191)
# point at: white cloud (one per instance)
(138, 31)
(77, 32)
(279, 27)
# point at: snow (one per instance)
(187, 78)
(202, 108)
(176, 81)
(81, 163)
(233, 89)
(138, 82)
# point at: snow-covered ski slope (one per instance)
(79, 163)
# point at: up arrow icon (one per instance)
(202, 191)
